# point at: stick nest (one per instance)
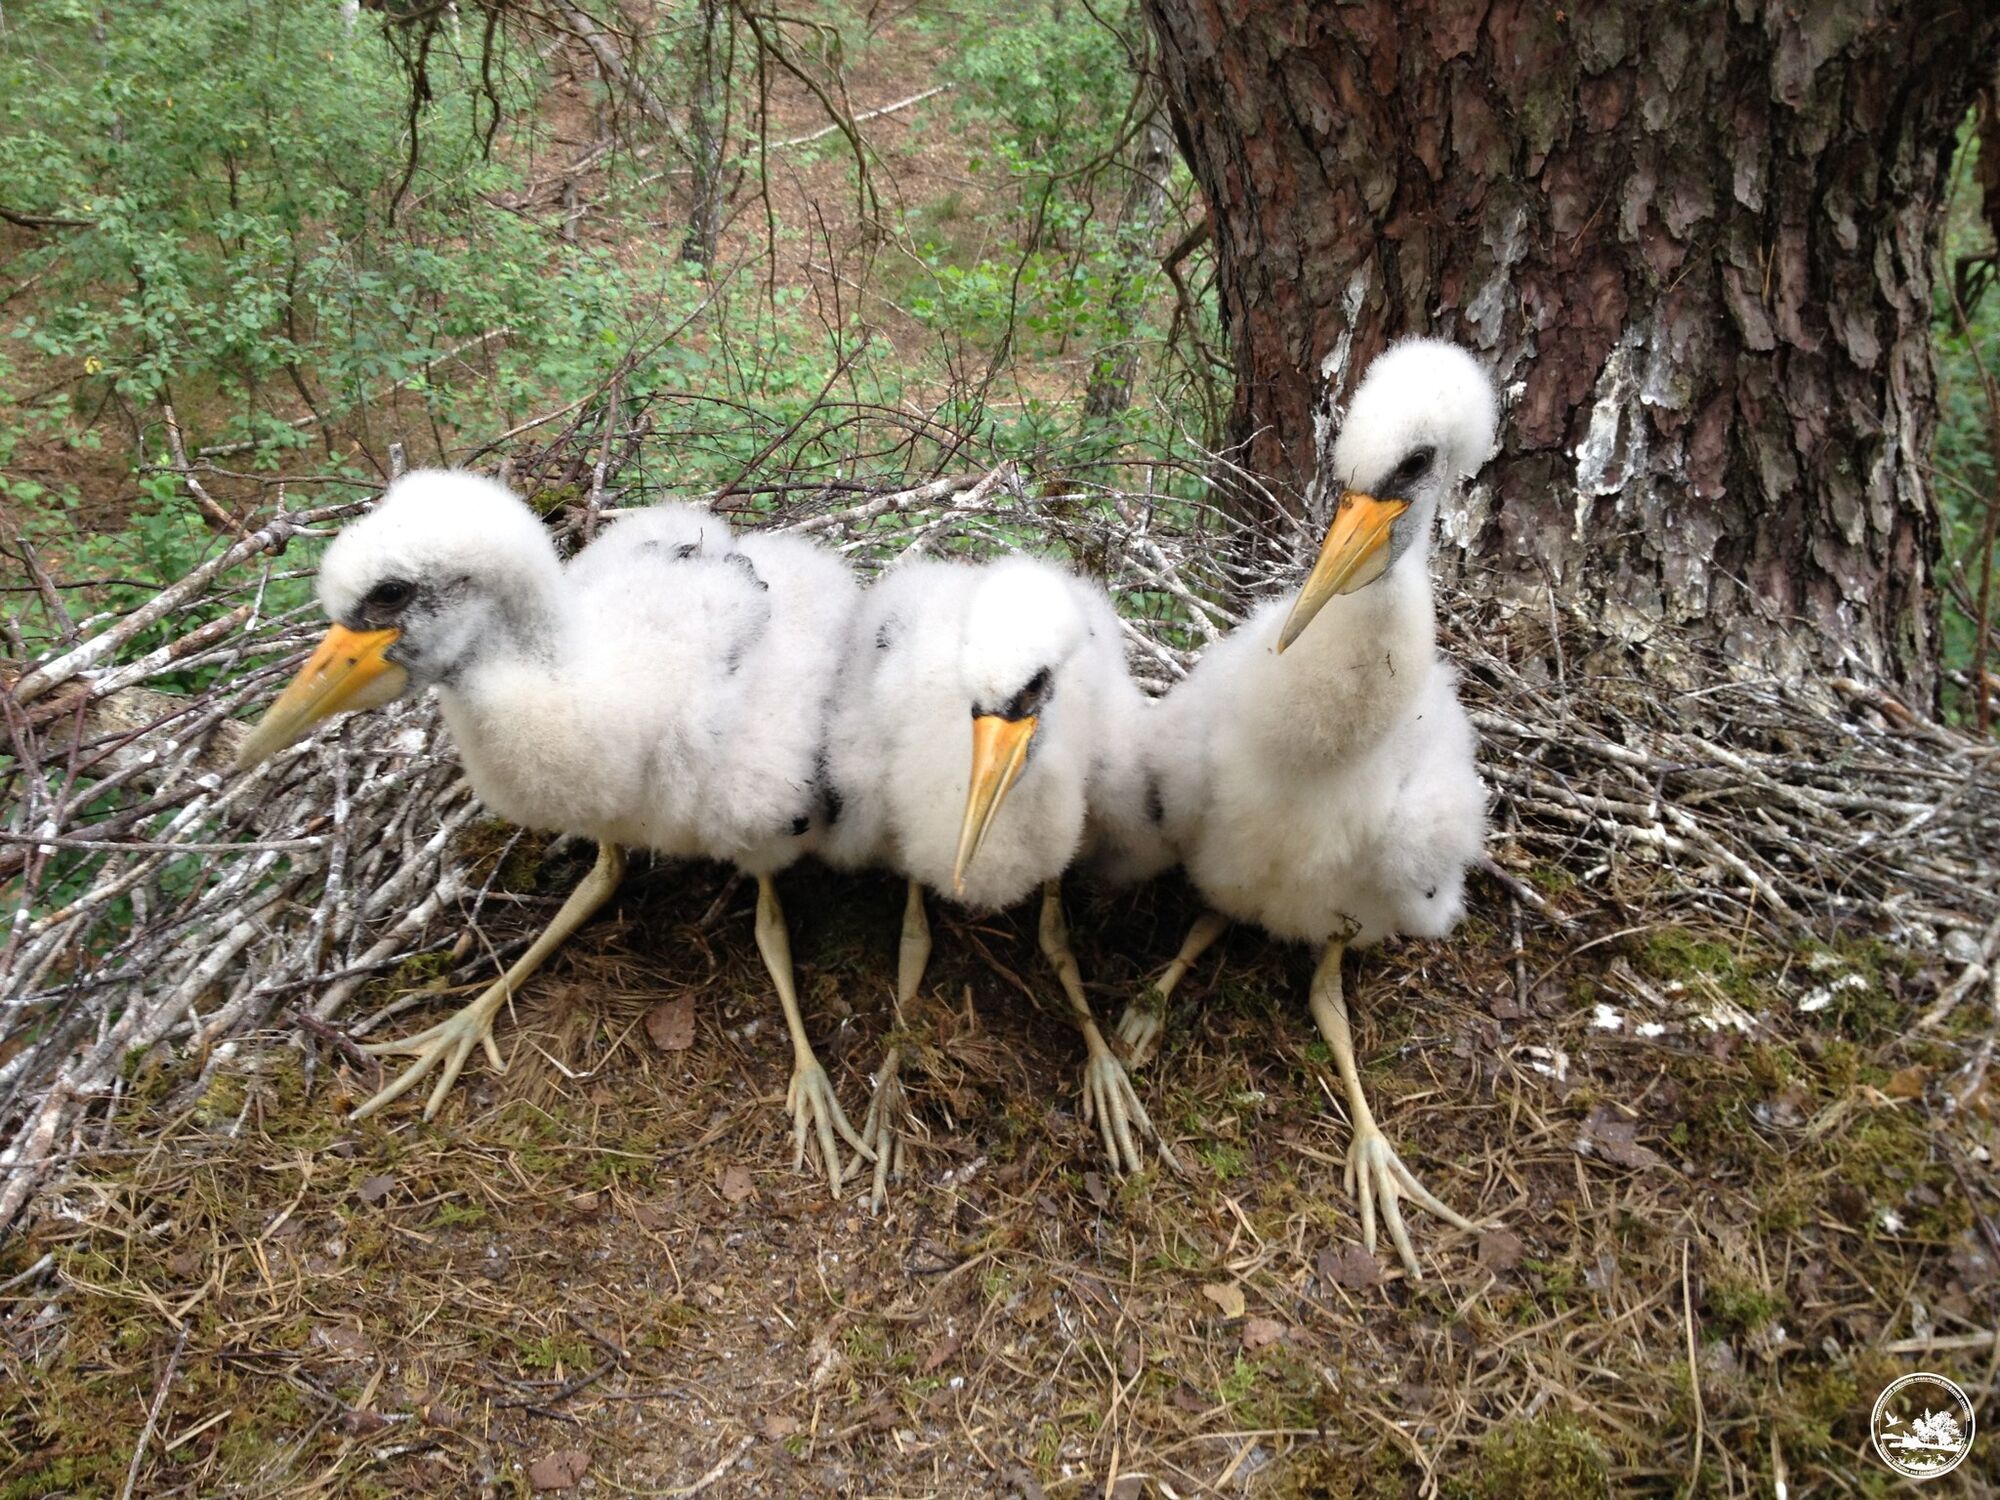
(162, 901)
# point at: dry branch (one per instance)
(160, 899)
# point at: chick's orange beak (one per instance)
(999, 751)
(348, 671)
(1355, 553)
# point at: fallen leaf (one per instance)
(945, 1348)
(1784, 1111)
(376, 1189)
(778, 1427)
(602, 1097)
(361, 1423)
(587, 1204)
(558, 1471)
(649, 1217)
(671, 1024)
(1614, 1138)
(1500, 1250)
(343, 1343)
(1350, 1266)
(1095, 1188)
(736, 1183)
(1907, 1083)
(1225, 1295)
(1260, 1334)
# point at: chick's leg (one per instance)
(1373, 1167)
(1107, 1093)
(811, 1100)
(886, 1127)
(1146, 1017)
(451, 1041)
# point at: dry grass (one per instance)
(560, 1264)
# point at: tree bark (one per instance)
(1696, 243)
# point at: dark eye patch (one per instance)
(1030, 699)
(1413, 467)
(389, 596)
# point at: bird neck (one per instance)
(1358, 667)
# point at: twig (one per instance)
(1694, 1369)
(867, 114)
(153, 1415)
(204, 501)
(722, 1466)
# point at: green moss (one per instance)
(1237, 1385)
(1551, 1458)
(495, 849)
(65, 1474)
(1227, 1162)
(1732, 1306)
(546, 1353)
(1552, 878)
(457, 1216)
(866, 1345)
(1287, 1393)
(1676, 955)
(547, 502)
(1319, 1472)
(1812, 1405)
(221, 1102)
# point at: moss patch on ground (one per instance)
(606, 1249)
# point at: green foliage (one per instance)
(1966, 468)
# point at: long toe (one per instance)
(398, 1086)
(1376, 1172)
(885, 1130)
(816, 1114)
(1139, 1033)
(1108, 1096)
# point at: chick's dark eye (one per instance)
(1414, 467)
(390, 595)
(1030, 699)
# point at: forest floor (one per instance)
(1724, 1218)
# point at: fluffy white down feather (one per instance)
(666, 690)
(1333, 790)
(932, 643)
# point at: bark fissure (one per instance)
(1696, 243)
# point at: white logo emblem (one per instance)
(1922, 1426)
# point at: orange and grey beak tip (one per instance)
(1354, 554)
(999, 751)
(349, 670)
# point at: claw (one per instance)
(447, 1044)
(1140, 1028)
(816, 1111)
(1109, 1102)
(1375, 1170)
(885, 1131)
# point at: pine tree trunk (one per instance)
(1694, 240)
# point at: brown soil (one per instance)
(606, 1251)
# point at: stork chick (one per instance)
(667, 690)
(1319, 775)
(985, 738)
